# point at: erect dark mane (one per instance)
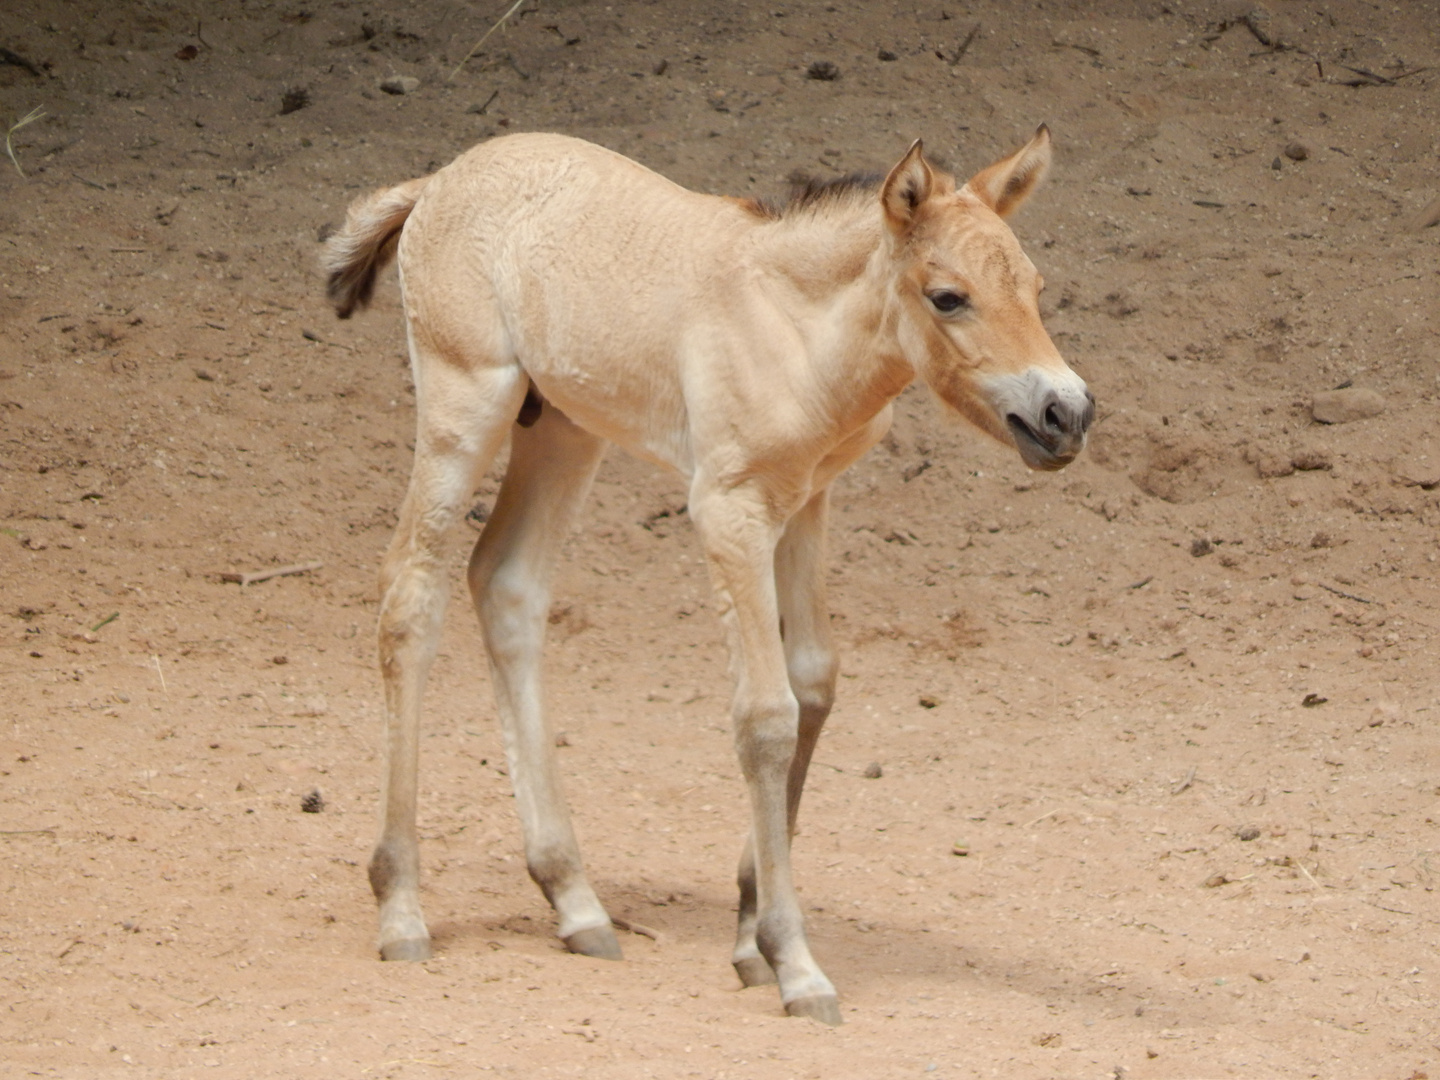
(809, 194)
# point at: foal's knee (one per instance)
(766, 733)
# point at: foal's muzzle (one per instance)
(1050, 434)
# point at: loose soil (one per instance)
(1157, 735)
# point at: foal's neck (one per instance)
(836, 276)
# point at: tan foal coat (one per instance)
(756, 351)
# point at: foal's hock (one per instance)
(755, 349)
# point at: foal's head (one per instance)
(968, 304)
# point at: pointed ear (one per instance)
(908, 185)
(1009, 182)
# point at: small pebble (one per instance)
(1297, 151)
(928, 702)
(873, 771)
(1247, 832)
(886, 55)
(1346, 406)
(400, 84)
(279, 660)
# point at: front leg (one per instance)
(811, 667)
(740, 531)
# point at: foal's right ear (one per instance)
(908, 185)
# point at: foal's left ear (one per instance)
(1009, 182)
(908, 185)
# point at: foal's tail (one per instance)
(366, 243)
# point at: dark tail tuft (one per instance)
(363, 246)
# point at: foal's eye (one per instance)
(947, 302)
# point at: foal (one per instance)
(755, 350)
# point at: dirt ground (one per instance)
(1158, 733)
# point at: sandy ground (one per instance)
(1177, 703)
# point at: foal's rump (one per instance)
(591, 272)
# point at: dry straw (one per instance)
(498, 23)
(29, 118)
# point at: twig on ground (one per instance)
(265, 575)
(1346, 595)
(1185, 783)
(1252, 22)
(29, 118)
(636, 928)
(88, 182)
(959, 54)
(498, 23)
(1042, 817)
(161, 672)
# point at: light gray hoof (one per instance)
(599, 942)
(822, 1007)
(406, 949)
(754, 971)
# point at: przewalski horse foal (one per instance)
(754, 349)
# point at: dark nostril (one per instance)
(1052, 419)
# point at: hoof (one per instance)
(820, 1007)
(406, 949)
(599, 942)
(754, 971)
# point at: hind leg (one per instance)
(551, 467)
(463, 416)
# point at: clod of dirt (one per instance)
(1311, 460)
(1247, 833)
(187, 52)
(928, 702)
(313, 802)
(277, 660)
(1346, 406)
(1201, 546)
(873, 771)
(1297, 151)
(1214, 881)
(886, 55)
(822, 71)
(294, 99)
(400, 84)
